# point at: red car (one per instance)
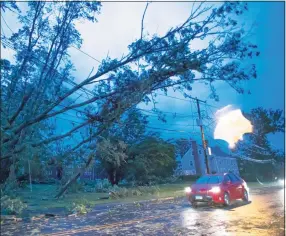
(217, 188)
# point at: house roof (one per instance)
(216, 151)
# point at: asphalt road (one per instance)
(261, 216)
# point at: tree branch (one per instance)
(142, 21)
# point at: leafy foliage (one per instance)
(12, 206)
(257, 146)
(151, 159)
(40, 73)
(121, 192)
(131, 128)
(267, 121)
(39, 86)
(80, 207)
(112, 154)
(100, 185)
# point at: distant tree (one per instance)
(257, 146)
(131, 128)
(150, 160)
(112, 155)
(112, 147)
(41, 73)
(39, 85)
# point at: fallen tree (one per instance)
(39, 86)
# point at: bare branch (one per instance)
(142, 21)
(22, 105)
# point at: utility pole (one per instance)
(203, 135)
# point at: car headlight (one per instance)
(215, 190)
(281, 182)
(188, 190)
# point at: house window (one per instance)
(191, 163)
(200, 151)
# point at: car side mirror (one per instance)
(227, 182)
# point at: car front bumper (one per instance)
(209, 198)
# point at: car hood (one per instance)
(203, 187)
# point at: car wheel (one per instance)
(226, 199)
(245, 196)
(194, 204)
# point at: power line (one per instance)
(167, 112)
(2, 31)
(86, 54)
(171, 130)
(6, 24)
(186, 100)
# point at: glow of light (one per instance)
(188, 190)
(215, 190)
(281, 182)
(210, 151)
(231, 125)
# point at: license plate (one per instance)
(199, 197)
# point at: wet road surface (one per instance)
(261, 216)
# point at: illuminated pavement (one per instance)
(171, 217)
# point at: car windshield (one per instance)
(209, 180)
(203, 180)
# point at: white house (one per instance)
(193, 162)
(220, 164)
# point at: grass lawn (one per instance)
(41, 200)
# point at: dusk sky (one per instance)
(119, 25)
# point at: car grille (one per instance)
(202, 191)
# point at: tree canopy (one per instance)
(256, 145)
(39, 86)
(150, 160)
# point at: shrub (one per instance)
(117, 192)
(123, 183)
(12, 206)
(148, 189)
(80, 206)
(120, 192)
(136, 192)
(102, 185)
(78, 209)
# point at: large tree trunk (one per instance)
(74, 178)
(5, 170)
(114, 176)
(111, 176)
(117, 177)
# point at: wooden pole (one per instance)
(203, 137)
